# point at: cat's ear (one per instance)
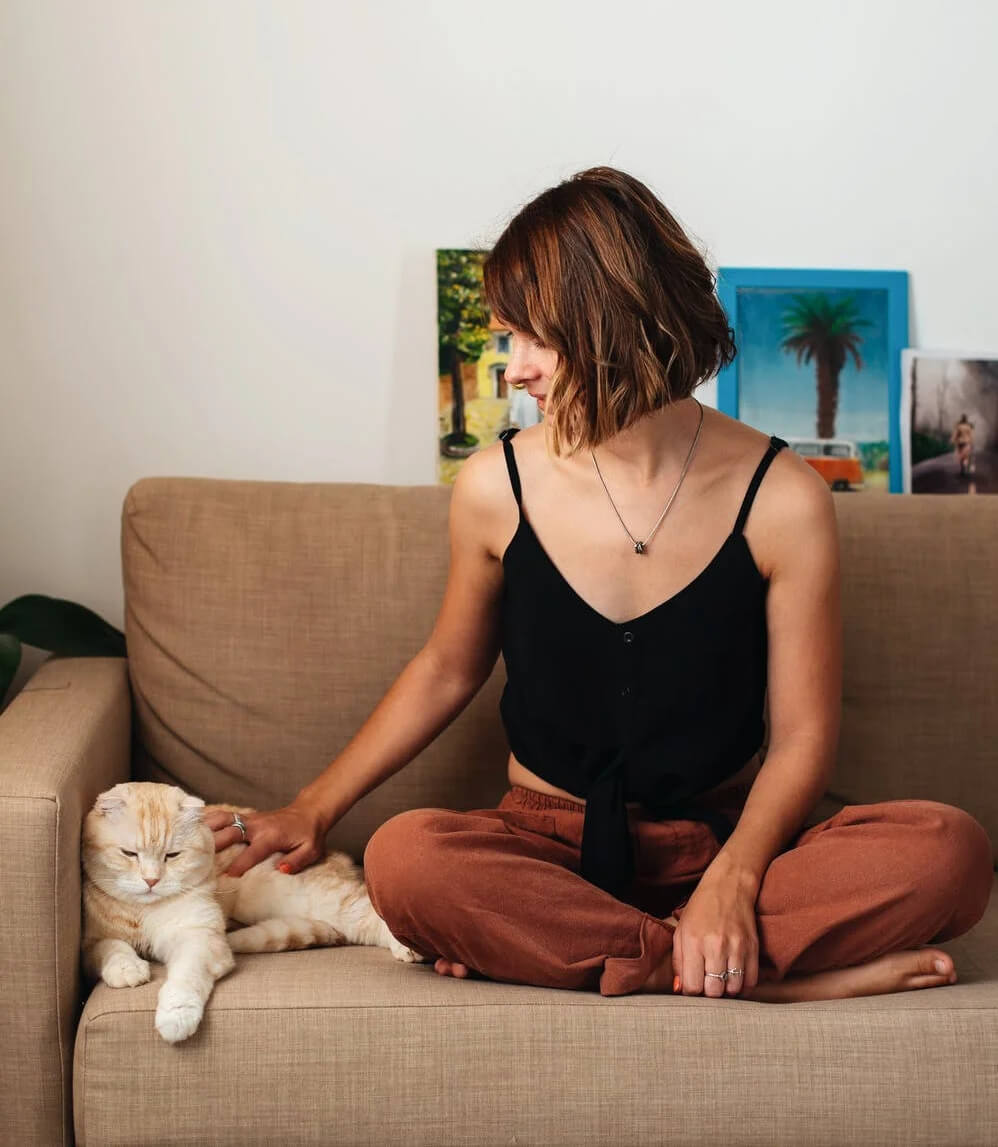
(109, 805)
(190, 809)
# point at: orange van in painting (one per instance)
(836, 459)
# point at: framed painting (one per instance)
(474, 401)
(819, 364)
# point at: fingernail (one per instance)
(284, 868)
(675, 983)
(940, 966)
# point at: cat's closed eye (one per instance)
(127, 853)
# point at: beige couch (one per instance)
(264, 622)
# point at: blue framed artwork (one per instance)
(819, 364)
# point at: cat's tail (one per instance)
(284, 933)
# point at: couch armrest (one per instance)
(63, 739)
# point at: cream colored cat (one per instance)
(151, 889)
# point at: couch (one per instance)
(264, 621)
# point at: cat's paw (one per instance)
(220, 959)
(178, 1013)
(326, 936)
(125, 970)
(406, 955)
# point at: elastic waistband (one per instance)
(530, 798)
(725, 800)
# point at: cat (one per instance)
(153, 886)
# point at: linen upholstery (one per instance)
(920, 680)
(350, 1046)
(63, 739)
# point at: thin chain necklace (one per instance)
(639, 547)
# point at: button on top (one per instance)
(628, 636)
(625, 691)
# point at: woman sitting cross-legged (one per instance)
(650, 569)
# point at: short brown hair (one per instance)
(598, 269)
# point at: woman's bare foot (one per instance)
(893, 972)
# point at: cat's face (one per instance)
(145, 842)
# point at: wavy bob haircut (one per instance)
(599, 270)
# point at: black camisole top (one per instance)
(656, 709)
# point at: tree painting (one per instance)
(820, 328)
(462, 324)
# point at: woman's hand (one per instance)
(717, 931)
(294, 829)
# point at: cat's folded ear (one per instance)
(190, 808)
(109, 803)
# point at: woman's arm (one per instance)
(425, 698)
(798, 531)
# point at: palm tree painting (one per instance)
(818, 364)
(824, 330)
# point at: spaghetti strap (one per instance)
(775, 446)
(514, 474)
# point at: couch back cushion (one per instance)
(920, 674)
(266, 620)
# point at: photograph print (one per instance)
(949, 422)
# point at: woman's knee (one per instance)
(958, 862)
(400, 856)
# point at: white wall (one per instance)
(218, 218)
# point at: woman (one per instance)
(649, 568)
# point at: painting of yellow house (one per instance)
(474, 401)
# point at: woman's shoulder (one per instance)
(739, 446)
(483, 492)
(791, 504)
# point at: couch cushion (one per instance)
(920, 674)
(347, 1045)
(265, 620)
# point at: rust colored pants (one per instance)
(499, 889)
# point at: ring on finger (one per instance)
(724, 975)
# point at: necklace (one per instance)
(640, 547)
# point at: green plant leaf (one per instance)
(64, 627)
(10, 658)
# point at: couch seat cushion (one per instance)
(348, 1046)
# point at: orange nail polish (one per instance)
(675, 983)
(284, 868)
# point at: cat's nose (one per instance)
(155, 880)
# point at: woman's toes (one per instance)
(931, 966)
(937, 961)
(451, 968)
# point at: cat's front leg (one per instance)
(195, 958)
(115, 962)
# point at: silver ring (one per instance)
(237, 820)
(724, 975)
